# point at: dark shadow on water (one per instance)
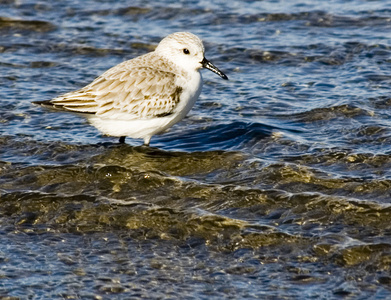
(226, 136)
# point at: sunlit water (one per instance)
(277, 184)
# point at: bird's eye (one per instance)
(186, 51)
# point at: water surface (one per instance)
(276, 185)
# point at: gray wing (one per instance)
(140, 92)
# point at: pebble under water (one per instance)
(277, 185)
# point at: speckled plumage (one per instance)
(145, 95)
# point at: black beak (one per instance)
(208, 65)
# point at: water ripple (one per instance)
(278, 177)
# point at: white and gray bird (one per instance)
(146, 95)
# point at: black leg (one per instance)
(122, 139)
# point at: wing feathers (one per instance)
(138, 92)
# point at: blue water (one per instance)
(275, 186)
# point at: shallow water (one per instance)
(276, 185)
